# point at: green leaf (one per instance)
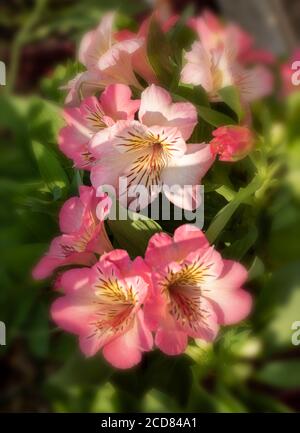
(231, 96)
(181, 36)
(239, 248)
(224, 215)
(194, 94)
(256, 269)
(159, 53)
(281, 374)
(44, 120)
(133, 231)
(50, 169)
(214, 117)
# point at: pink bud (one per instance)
(232, 143)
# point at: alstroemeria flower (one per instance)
(152, 152)
(91, 116)
(102, 305)
(83, 233)
(232, 142)
(100, 51)
(194, 289)
(217, 68)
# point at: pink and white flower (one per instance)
(83, 233)
(101, 52)
(102, 305)
(93, 115)
(232, 142)
(217, 68)
(194, 290)
(153, 152)
(213, 33)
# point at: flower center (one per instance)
(115, 305)
(95, 118)
(81, 242)
(184, 291)
(154, 151)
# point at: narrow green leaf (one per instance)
(214, 117)
(256, 269)
(224, 215)
(194, 94)
(230, 95)
(159, 54)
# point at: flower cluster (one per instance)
(123, 122)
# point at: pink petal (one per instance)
(45, 267)
(84, 84)
(145, 336)
(117, 103)
(233, 276)
(74, 145)
(231, 306)
(188, 232)
(72, 315)
(183, 115)
(207, 327)
(154, 106)
(96, 42)
(124, 351)
(160, 250)
(231, 303)
(169, 339)
(71, 214)
(77, 279)
(157, 109)
(90, 343)
(56, 257)
(197, 70)
(183, 175)
(254, 83)
(117, 62)
(154, 309)
(120, 258)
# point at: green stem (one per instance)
(20, 40)
(224, 215)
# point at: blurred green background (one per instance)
(252, 367)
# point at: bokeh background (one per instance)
(253, 367)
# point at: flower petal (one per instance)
(183, 175)
(124, 351)
(117, 103)
(169, 339)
